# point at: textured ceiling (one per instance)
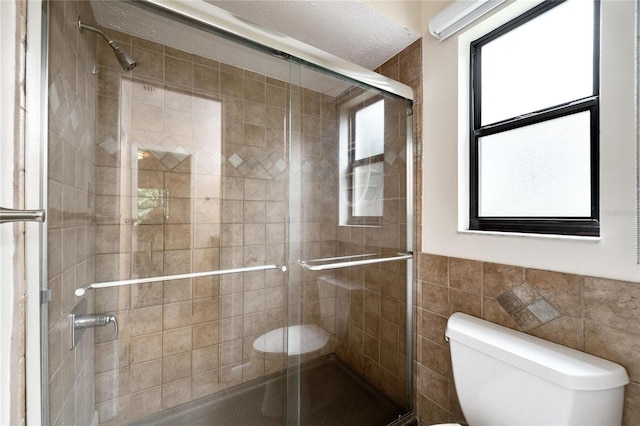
(348, 29)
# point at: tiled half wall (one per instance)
(594, 315)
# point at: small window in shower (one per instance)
(363, 156)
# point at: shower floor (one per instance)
(330, 393)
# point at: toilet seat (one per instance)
(301, 339)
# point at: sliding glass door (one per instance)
(229, 230)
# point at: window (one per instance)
(363, 159)
(535, 123)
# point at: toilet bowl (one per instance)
(504, 377)
(304, 339)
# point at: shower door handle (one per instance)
(353, 260)
(82, 290)
(11, 215)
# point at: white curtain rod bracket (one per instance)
(458, 15)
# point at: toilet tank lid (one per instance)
(567, 367)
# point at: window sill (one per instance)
(585, 239)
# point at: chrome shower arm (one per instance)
(126, 61)
(104, 35)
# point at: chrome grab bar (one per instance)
(81, 291)
(11, 215)
(319, 265)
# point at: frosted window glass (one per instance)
(539, 170)
(545, 62)
(368, 183)
(369, 137)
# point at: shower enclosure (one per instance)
(229, 228)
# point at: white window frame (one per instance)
(347, 110)
(445, 164)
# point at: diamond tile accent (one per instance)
(525, 304)
(74, 120)
(281, 165)
(54, 97)
(235, 160)
(180, 153)
(403, 154)
(169, 161)
(390, 156)
(526, 293)
(543, 310)
(510, 302)
(307, 168)
(110, 145)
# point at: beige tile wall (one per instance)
(363, 307)
(597, 316)
(187, 339)
(183, 340)
(311, 234)
(71, 187)
(208, 142)
(372, 300)
(406, 67)
(444, 285)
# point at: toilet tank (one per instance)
(504, 377)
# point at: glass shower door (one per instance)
(229, 232)
(168, 207)
(350, 251)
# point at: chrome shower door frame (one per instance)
(36, 177)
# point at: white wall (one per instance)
(407, 13)
(445, 160)
(7, 244)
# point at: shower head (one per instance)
(127, 62)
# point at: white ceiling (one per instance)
(348, 29)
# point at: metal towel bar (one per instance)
(342, 262)
(83, 290)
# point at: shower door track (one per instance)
(81, 291)
(278, 44)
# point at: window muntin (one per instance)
(511, 198)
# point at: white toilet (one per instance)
(504, 377)
(304, 339)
